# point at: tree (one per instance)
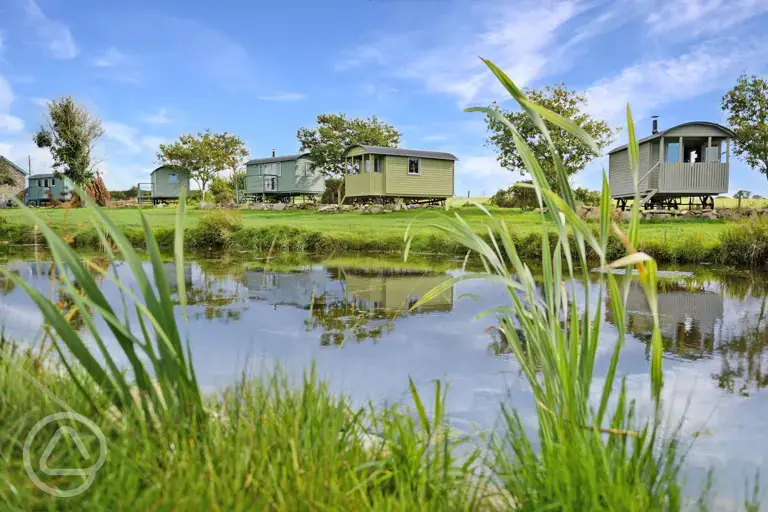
(746, 106)
(204, 155)
(741, 194)
(574, 153)
(335, 133)
(70, 134)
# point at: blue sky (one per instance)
(154, 70)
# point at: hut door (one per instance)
(271, 184)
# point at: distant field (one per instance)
(357, 223)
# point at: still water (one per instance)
(350, 317)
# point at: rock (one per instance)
(730, 215)
(398, 207)
(592, 214)
(347, 207)
(278, 206)
(626, 215)
(662, 216)
(376, 209)
(684, 213)
(328, 208)
(388, 208)
(583, 211)
(257, 206)
(162, 205)
(206, 206)
(708, 215)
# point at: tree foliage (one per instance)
(204, 155)
(575, 155)
(70, 134)
(335, 133)
(746, 106)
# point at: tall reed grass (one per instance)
(590, 449)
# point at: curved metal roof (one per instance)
(272, 159)
(381, 150)
(660, 134)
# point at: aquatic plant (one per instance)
(590, 450)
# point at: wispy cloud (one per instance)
(8, 123)
(522, 40)
(655, 83)
(692, 18)
(40, 102)
(52, 34)
(284, 96)
(130, 138)
(160, 117)
(482, 175)
(110, 58)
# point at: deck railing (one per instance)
(702, 177)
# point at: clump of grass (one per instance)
(590, 451)
(216, 229)
(745, 243)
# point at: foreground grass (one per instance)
(268, 445)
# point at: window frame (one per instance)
(418, 166)
(175, 178)
(377, 164)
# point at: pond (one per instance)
(350, 317)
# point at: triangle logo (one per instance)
(52, 445)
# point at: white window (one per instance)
(53, 182)
(172, 178)
(367, 165)
(376, 164)
(414, 166)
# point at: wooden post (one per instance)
(727, 150)
(661, 152)
(709, 151)
(680, 152)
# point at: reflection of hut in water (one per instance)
(688, 318)
(169, 269)
(287, 288)
(399, 292)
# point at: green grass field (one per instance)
(391, 224)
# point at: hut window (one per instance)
(414, 166)
(53, 182)
(367, 165)
(376, 164)
(172, 178)
(45, 182)
(672, 152)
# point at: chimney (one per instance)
(655, 128)
(273, 150)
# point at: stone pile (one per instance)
(593, 213)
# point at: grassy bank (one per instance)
(681, 241)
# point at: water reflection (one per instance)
(721, 317)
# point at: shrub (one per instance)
(221, 190)
(122, 195)
(586, 196)
(215, 229)
(745, 243)
(517, 196)
(332, 188)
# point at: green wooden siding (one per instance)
(434, 180)
(40, 184)
(163, 185)
(293, 177)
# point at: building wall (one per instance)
(20, 182)
(161, 187)
(620, 173)
(435, 180)
(293, 176)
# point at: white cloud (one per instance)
(521, 40)
(40, 102)
(8, 123)
(284, 96)
(53, 34)
(482, 175)
(161, 117)
(130, 138)
(110, 58)
(654, 83)
(691, 18)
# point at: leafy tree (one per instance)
(586, 196)
(237, 180)
(70, 134)
(222, 191)
(757, 196)
(561, 100)
(746, 106)
(204, 155)
(741, 194)
(335, 133)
